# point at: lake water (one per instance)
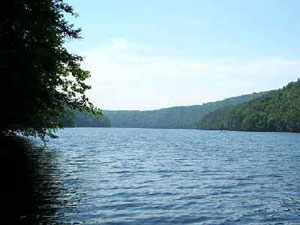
(154, 176)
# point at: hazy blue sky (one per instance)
(147, 54)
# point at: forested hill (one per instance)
(276, 111)
(74, 118)
(183, 117)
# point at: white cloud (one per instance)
(125, 77)
(119, 44)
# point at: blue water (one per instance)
(154, 176)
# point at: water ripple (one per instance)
(145, 176)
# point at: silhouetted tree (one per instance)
(39, 77)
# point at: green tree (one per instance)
(276, 111)
(39, 76)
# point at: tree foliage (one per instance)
(181, 117)
(75, 118)
(39, 76)
(276, 111)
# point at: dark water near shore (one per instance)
(147, 176)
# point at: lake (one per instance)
(155, 176)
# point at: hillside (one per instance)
(74, 118)
(276, 111)
(183, 117)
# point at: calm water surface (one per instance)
(153, 176)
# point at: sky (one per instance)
(150, 54)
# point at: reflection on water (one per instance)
(31, 188)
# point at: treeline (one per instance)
(276, 111)
(182, 117)
(75, 118)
